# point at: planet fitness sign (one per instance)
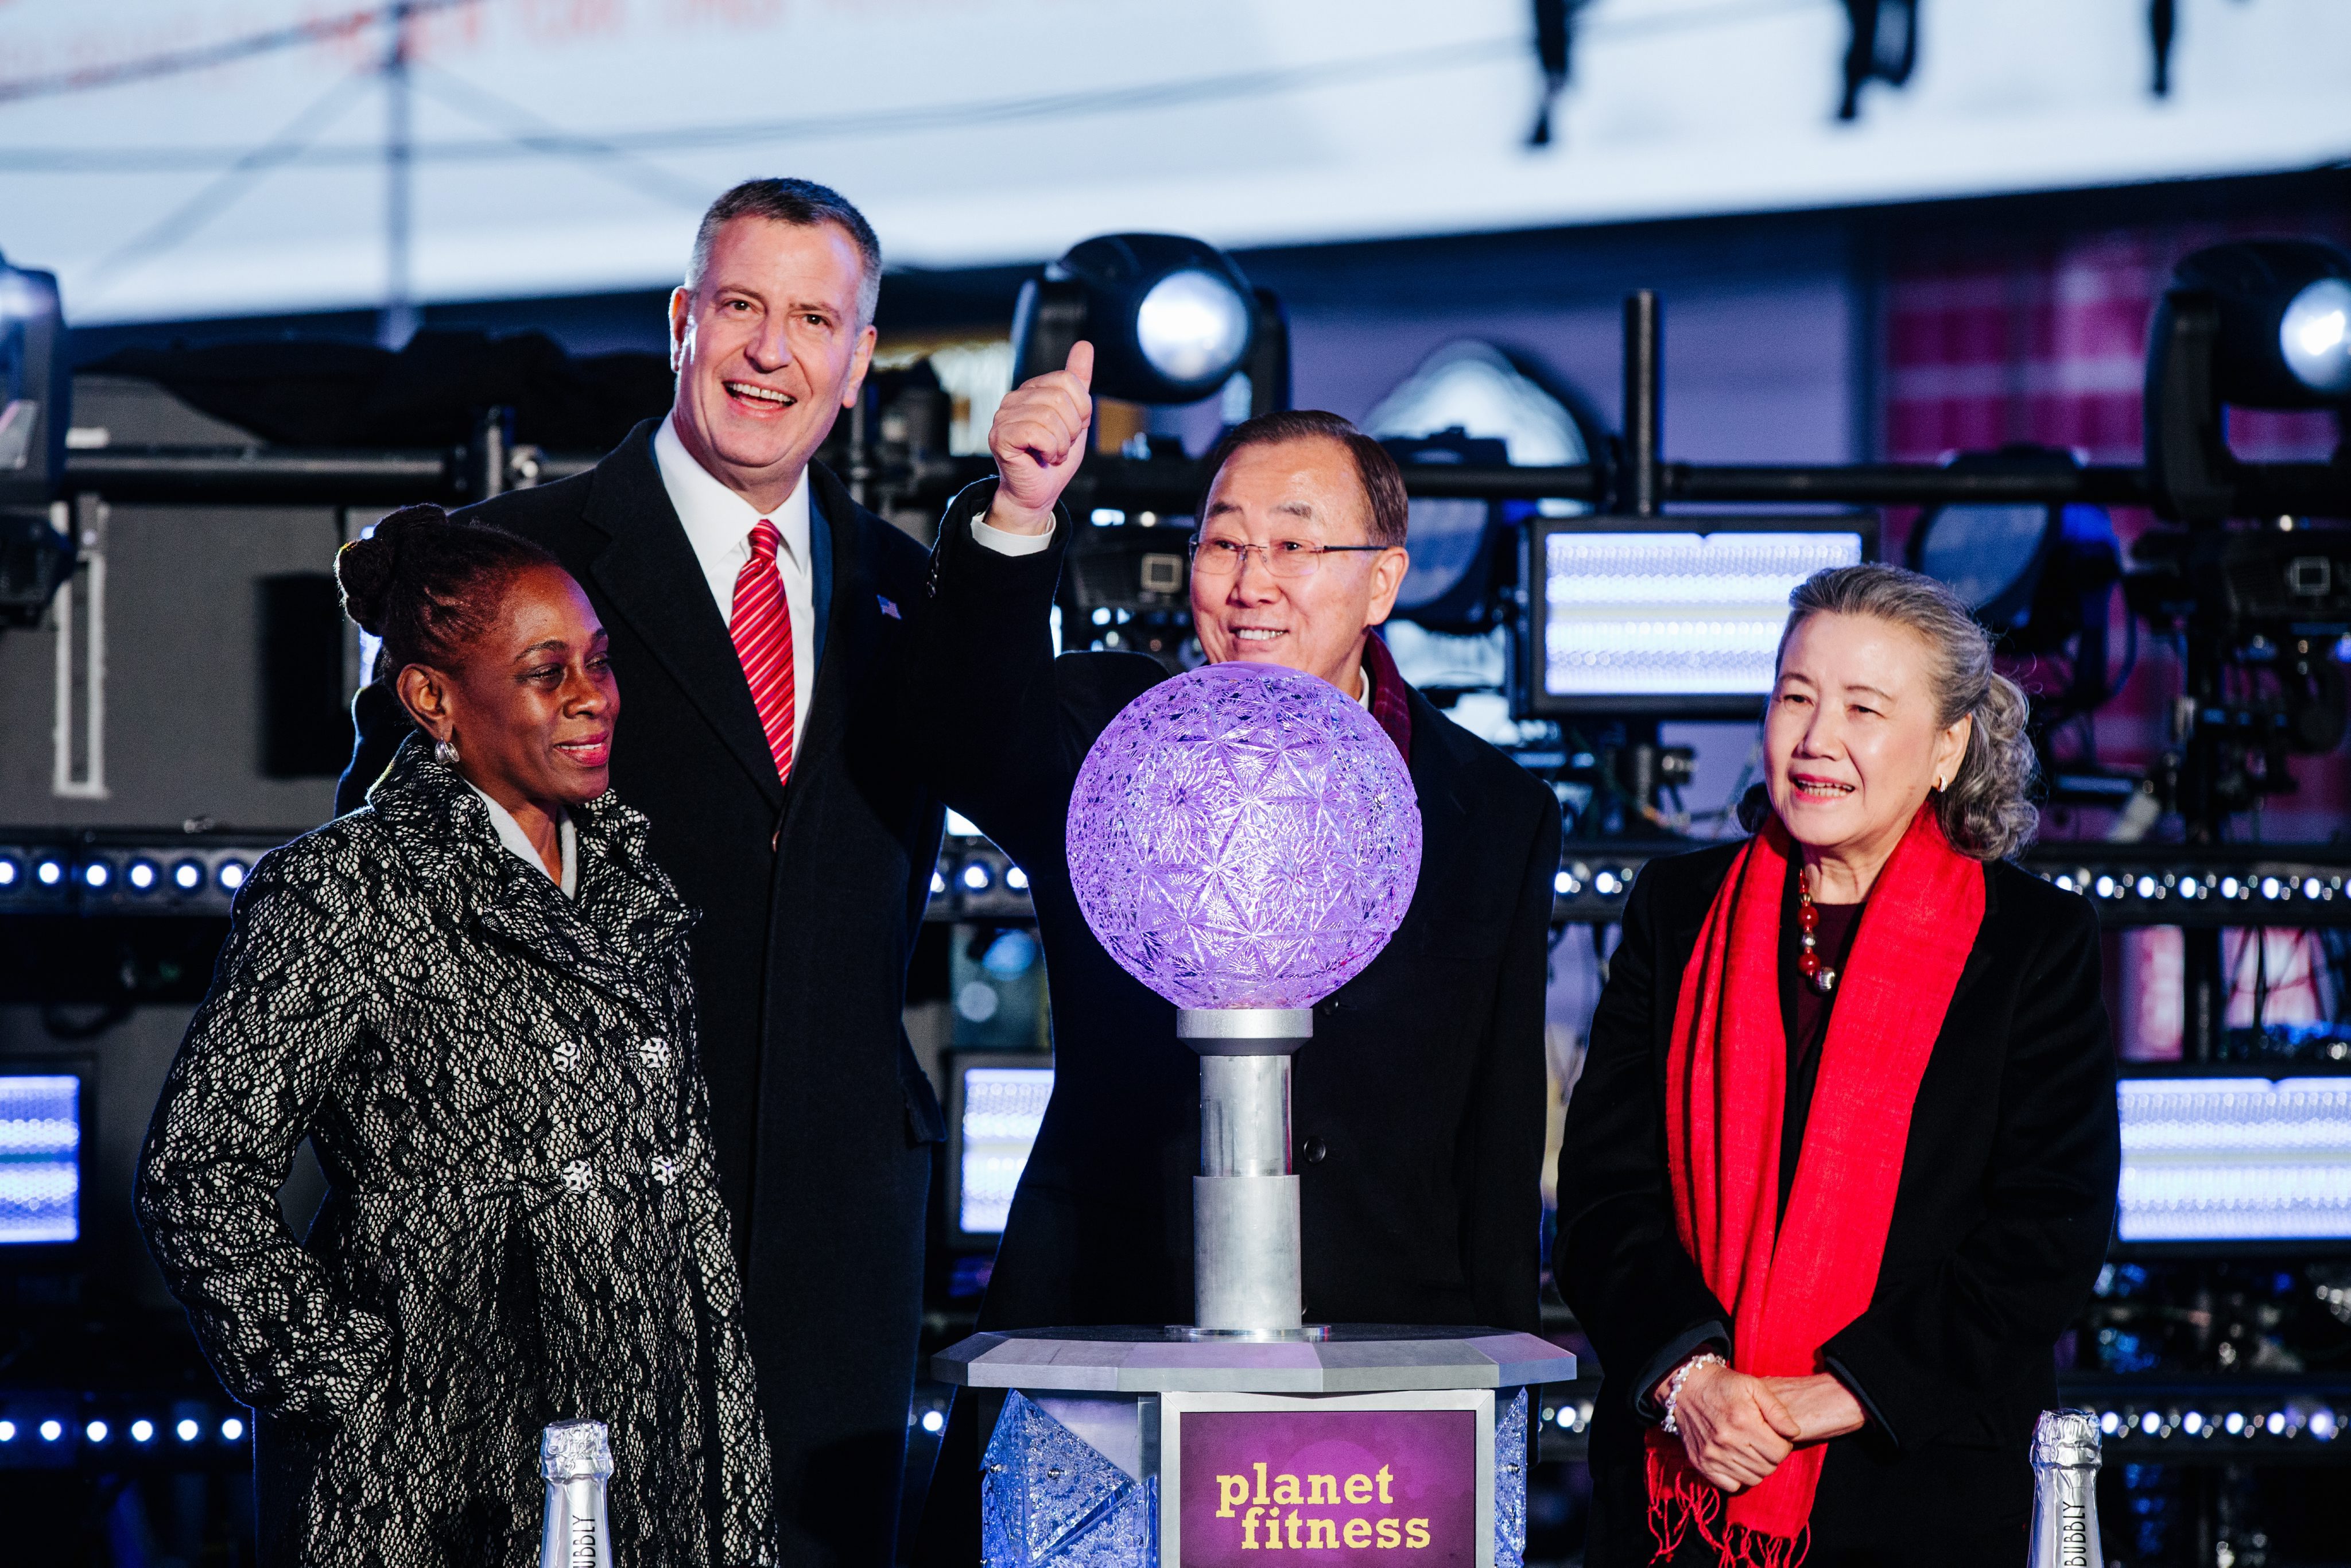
(1338, 1481)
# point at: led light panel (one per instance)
(1673, 615)
(40, 1158)
(2236, 1159)
(1002, 1108)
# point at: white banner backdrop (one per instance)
(189, 158)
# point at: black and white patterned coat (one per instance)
(523, 1224)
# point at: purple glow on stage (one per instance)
(1244, 836)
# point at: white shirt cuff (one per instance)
(1004, 542)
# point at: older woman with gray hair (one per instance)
(1842, 1164)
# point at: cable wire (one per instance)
(528, 132)
(218, 193)
(204, 57)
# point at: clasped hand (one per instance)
(1736, 1428)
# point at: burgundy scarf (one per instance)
(1390, 705)
(1726, 1077)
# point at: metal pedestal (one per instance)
(1132, 1448)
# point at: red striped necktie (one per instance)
(762, 630)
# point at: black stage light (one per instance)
(2260, 324)
(2032, 573)
(36, 392)
(1171, 319)
(36, 387)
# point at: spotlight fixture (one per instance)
(2259, 324)
(52, 1429)
(7, 1431)
(11, 872)
(35, 397)
(189, 1429)
(49, 872)
(95, 874)
(1171, 319)
(231, 1429)
(976, 876)
(142, 1430)
(2033, 575)
(142, 875)
(96, 1432)
(188, 875)
(231, 876)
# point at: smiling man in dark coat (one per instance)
(1418, 1105)
(759, 621)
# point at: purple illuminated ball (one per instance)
(1244, 836)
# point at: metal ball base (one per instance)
(1118, 1447)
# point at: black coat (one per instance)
(523, 1225)
(1999, 1224)
(822, 1120)
(1419, 1104)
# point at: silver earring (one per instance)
(1938, 778)
(444, 752)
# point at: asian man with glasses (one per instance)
(1419, 1111)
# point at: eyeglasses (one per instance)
(1287, 559)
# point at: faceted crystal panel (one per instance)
(1048, 1499)
(1510, 1483)
(1244, 836)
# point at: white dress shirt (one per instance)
(718, 526)
(1003, 542)
(510, 834)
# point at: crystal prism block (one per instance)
(1510, 1483)
(1050, 1499)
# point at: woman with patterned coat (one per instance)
(472, 995)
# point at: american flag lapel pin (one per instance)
(889, 608)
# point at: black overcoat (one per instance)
(811, 896)
(1417, 1107)
(2000, 1225)
(522, 1223)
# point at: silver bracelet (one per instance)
(1674, 1387)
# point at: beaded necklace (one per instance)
(1808, 923)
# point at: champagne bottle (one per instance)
(576, 1456)
(2065, 1491)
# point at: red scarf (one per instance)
(1726, 1079)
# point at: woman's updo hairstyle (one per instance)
(428, 586)
(1986, 810)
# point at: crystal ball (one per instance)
(1244, 836)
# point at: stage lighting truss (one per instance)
(115, 872)
(149, 1432)
(2132, 884)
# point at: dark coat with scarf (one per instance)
(1999, 1224)
(811, 896)
(523, 1222)
(1419, 1104)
